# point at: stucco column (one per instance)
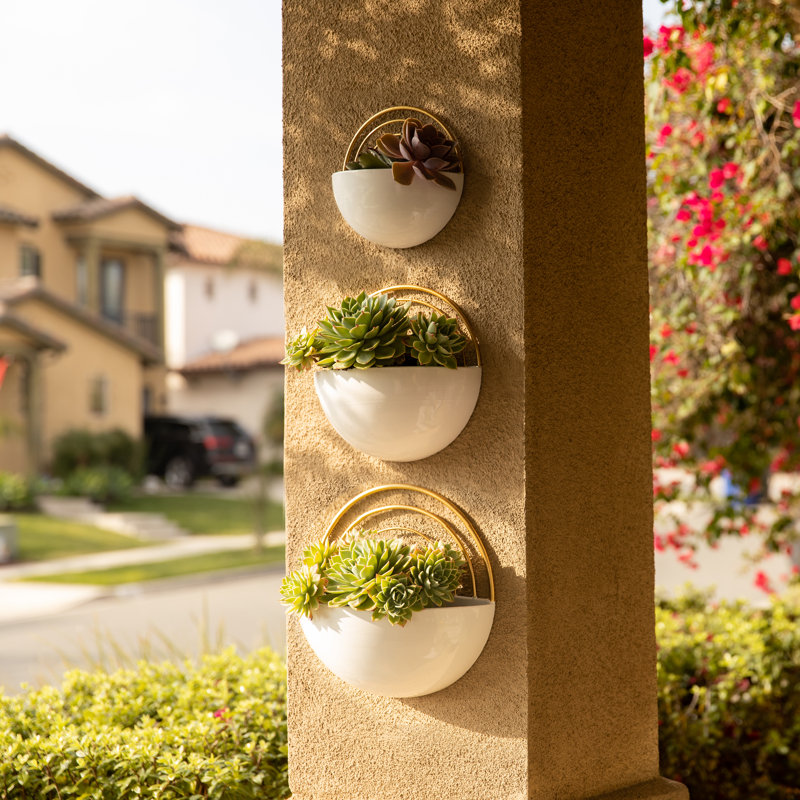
(35, 410)
(91, 255)
(547, 255)
(159, 256)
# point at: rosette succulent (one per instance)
(437, 571)
(301, 352)
(365, 332)
(303, 590)
(387, 577)
(435, 339)
(420, 150)
(357, 571)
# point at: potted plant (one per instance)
(389, 380)
(401, 191)
(384, 615)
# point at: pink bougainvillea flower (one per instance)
(716, 178)
(784, 266)
(730, 170)
(794, 322)
(724, 105)
(796, 114)
(691, 327)
(671, 357)
(683, 215)
(665, 330)
(760, 243)
(648, 46)
(665, 131)
(702, 58)
(679, 81)
(653, 351)
(669, 35)
(655, 435)
(795, 302)
(762, 582)
(681, 449)
(683, 373)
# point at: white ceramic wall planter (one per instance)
(435, 648)
(402, 413)
(399, 413)
(387, 213)
(384, 211)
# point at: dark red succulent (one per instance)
(420, 150)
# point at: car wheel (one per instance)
(179, 473)
(228, 480)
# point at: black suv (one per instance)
(182, 449)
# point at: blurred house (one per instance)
(224, 325)
(81, 307)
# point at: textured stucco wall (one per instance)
(546, 254)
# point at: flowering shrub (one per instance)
(160, 731)
(723, 140)
(729, 699)
(17, 493)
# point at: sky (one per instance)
(175, 101)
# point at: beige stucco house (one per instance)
(81, 308)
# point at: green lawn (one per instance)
(41, 538)
(204, 514)
(177, 567)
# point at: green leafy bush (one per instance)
(729, 699)
(17, 493)
(102, 484)
(164, 731)
(79, 448)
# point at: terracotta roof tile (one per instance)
(209, 246)
(8, 214)
(266, 351)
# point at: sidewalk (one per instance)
(21, 601)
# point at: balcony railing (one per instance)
(142, 326)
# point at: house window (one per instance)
(98, 395)
(30, 261)
(82, 282)
(210, 288)
(252, 291)
(112, 289)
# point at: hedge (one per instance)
(729, 699)
(729, 719)
(217, 730)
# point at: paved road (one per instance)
(243, 611)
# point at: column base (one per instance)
(659, 789)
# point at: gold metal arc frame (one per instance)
(354, 148)
(433, 293)
(393, 487)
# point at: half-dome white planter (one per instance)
(399, 413)
(378, 208)
(433, 650)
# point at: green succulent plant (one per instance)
(301, 352)
(397, 598)
(420, 150)
(355, 573)
(387, 577)
(303, 590)
(365, 332)
(318, 554)
(370, 159)
(438, 571)
(435, 339)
